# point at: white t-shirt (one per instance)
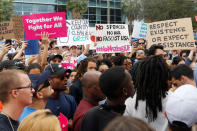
(160, 124)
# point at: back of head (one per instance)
(40, 120)
(180, 70)
(110, 82)
(8, 80)
(152, 84)
(153, 48)
(119, 60)
(90, 78)
(33, 66)
(124, 123)
(176, 60)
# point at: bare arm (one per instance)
(4, 50)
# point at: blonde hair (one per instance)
(40, 120)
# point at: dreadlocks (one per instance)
(151, 85)
(82, 67)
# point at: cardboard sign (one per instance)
(18, 27)
(139, 30)
(172, 34)
(53, 23)
(6, 30)
(78, 33)
(32, 48)
(112, 38)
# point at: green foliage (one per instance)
(6, 10)
(158, 10)
(77, 7)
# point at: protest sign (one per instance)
(196, 18)
(172, 34)
(139, 30)
(18, 27)
(32, 48)
(53, 23)
(78, 33)
(6, 30)
(112, 38)
(68, 65)
(92, 31)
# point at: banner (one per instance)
(139, 30)
(53, 23)
(18, 27)
(172, 34)
(92, 31)
(78, 33)
(112, 38)
(6, 30)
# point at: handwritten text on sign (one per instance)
(112, 38)
(172, 34)
(6, 30)
(78, 33)
(53, 23)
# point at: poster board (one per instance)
(139, 30)
(112, 38)
(53, 23)
(6, 30)
(18, 27)
(172, 34)
(78, 33)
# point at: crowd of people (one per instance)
(74, 88)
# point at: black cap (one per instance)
(56, 69)
(54, 56)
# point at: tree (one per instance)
(77, 7)
(132, 9)
(6, 10)
(158, 10)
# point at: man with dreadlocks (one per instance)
(149, 101)
(88, 64)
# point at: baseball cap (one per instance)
(54, 56)
(38, 79)
(72, 46)
(8, 64)
(181, 105)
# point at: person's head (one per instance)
(156, 50)
(40, 120)
(104, 64)
(8, 64)
(34, 68)
(152, 84)
(65, 48)
(119, 60)
(182, 74)
(59, 77)
(15, 88)
(88, 64)
(90, 83)
(41, 85)
(127, 64)
(181, 107)
(140, 54)
(184, 54)
(66, 56)
(125, 123)
(141, 43)
(55, 59)
(177, 60)
(72, 76)
(73, 50)
(52, 44)
(116, 83)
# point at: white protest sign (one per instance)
(92, 31)
(139, 30)
(77, 33)
(172, 34)
(112, 38)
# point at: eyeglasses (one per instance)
(139, 52)
(30, 87)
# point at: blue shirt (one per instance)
(26, 112)
(64, 104)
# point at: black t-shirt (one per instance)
(96, 119)
(5, 124)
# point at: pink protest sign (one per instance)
(68, 65)
(53, 23)
(196, 18)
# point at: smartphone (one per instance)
(8, 42)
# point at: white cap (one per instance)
(182, 105)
